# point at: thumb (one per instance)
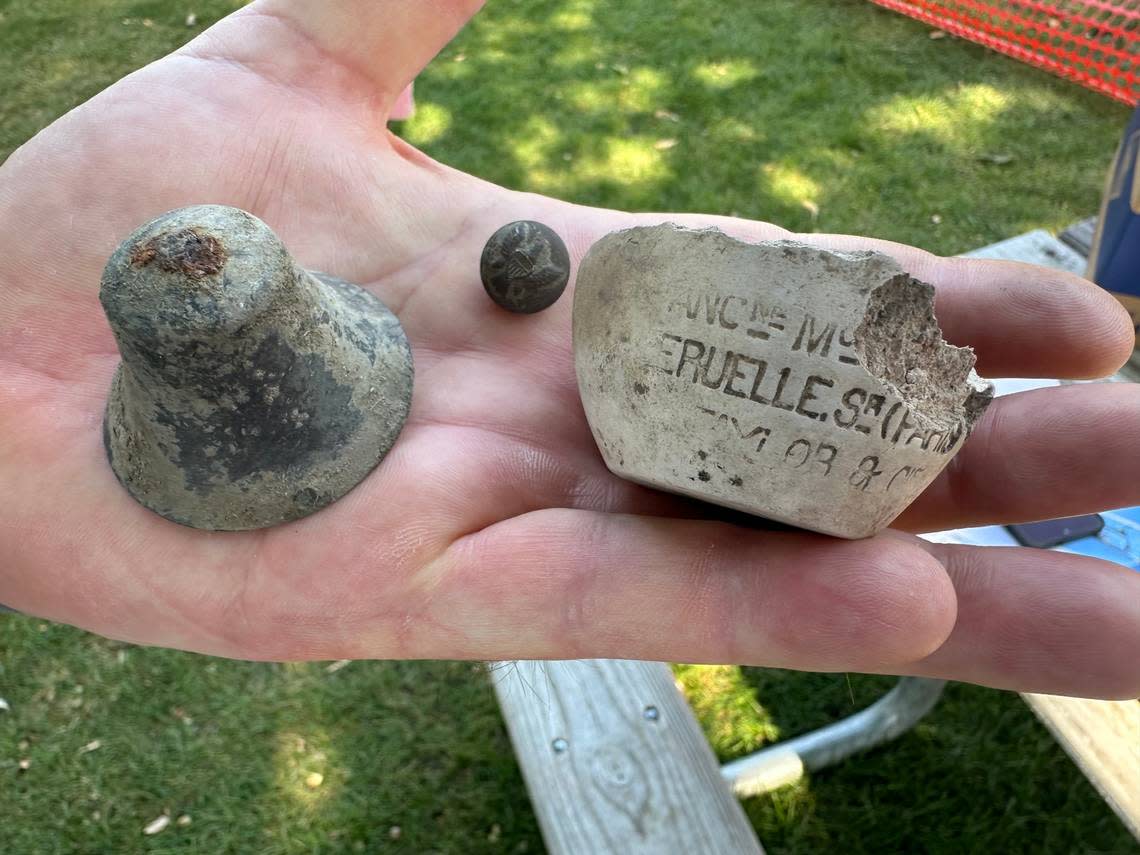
(386, 41)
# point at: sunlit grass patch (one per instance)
(430, 122)
(952, 117)
(727, 708)
(725, 74)
(623, 161)
(790, 184)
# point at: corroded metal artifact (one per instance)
(251, 391)
(808, 386)
(525, 267)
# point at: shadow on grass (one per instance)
(828, 115)
(978, 774)
(261, 757)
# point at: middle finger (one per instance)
(1037, 455)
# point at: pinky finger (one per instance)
(1040, 621)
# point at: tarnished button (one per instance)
(525, 267)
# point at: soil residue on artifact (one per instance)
(187, 251)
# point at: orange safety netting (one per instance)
(1095, 42)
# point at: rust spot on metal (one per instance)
(187, 251)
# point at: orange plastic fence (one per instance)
(1094, 42)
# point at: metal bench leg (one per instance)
(785, 762)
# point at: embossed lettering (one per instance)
(709, 359)
(814, 340)
(724, 322)
(852, 399)
(888, 418)
(735, 374)
(689, 306)
(760, 372)
(906, 473)
(772, 318)
(758, 431)
(847, 348)
(904, 424)
(825, 455)
(809, 395)
(776, 402)
(711, 307)
(868, 470)
(814, 396)
(801, 451)
(691, 351)
(800, 447)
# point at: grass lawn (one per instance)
(819, 114)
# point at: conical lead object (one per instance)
(251, 392)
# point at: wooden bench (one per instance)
(615, 761)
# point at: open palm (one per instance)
(493, 530)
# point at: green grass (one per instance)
(770, 111)
(418, 746)
(979, 774)
(818, 114)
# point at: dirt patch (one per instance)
(187, 251)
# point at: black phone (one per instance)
(1049, 533)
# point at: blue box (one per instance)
(1114, 262)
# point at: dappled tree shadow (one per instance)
(946, 785)
(829, 115)
(259, 757)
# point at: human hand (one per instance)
(493, 530)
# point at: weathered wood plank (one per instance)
(1080, 236)
(615, 761)
(1036, 247)
(1103, 737)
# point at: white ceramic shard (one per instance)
(800, 384)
